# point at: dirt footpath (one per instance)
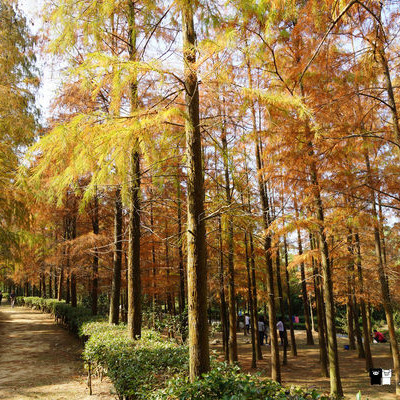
(304, 370)
(40, 360)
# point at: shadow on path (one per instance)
(38, 359)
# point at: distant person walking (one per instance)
(12, 299)
(1, 297)
(281, 329)
(247, 323)
(261, 329)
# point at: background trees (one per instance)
(290, 173)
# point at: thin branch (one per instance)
(317, 50)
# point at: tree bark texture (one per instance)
(199, 359)
(117, 260)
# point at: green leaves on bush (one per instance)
(71, 317)
(136, 368)
(225, 382)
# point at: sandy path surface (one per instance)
(40, 360)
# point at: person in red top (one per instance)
(379, 337)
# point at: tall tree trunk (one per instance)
(56, 291)
(180, 247)
(369, 321)
(167, 268)
(68, 286)
(366, 329)
(51, 283)
(275, 365)
(387, 304)
(223, 310)
(199, 358)
(134, 278)
(350, 315)
(320, 314)
(254, 323)
(251, 304)
(279, 282)
(153, 258)
(95, 262)
(352, 295)
(289, 294)
(117, 260)
(228, 229)
(254, 318)
(72, 235)
(336, 390)
(310, 339)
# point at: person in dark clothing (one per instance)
(1, 296)
(12, 298)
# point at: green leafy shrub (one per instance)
(136, 368)
(71, 317)
(225, 382)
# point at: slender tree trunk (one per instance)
(134, 278)
(310, 339)
(254, 318)
(275, 365)
(334, 373)
(223, 308)
(320, 315)
(255, 302)
(51, 283)
(369, 322)
(251, 304)
(289, 294)
(366, 329)
(95, 262)
(387, 304)
(68, 287)
(153, 258)
(228, 229)
(352, 295)
(56, 283)
(199, 359)
(167, 267)
(117, 260)
(74, 299)
(180, 248)
(40, 284)
(350, 316)
(279, 283)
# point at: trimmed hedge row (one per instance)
(154, 368)
(136, 368)
(71, 317)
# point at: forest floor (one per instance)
(304, 370)
(41, 360)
